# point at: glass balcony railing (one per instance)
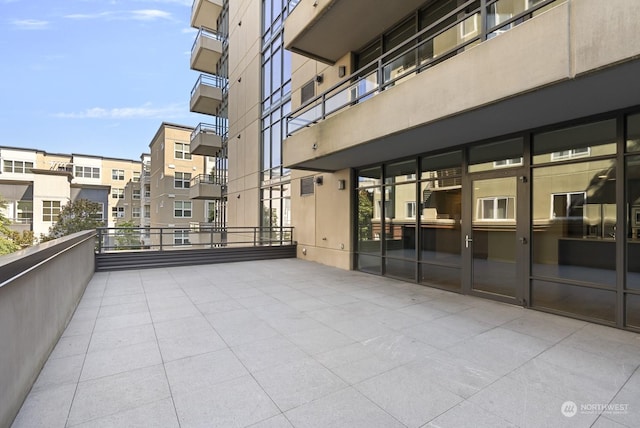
(460, 29)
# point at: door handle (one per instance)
(467, 240)
(523, 240)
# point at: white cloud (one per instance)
(138, 15)
(149, 14)
(30, 24)
(189, 30)
(146, 111)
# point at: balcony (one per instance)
(316, 28)
(206, 139)
(206, 51)
(204, 13)
(187, 345)
(206, 95)
(434, 86)
(205, 186)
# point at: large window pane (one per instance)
(404, 269)
(370, 177)
(633, 310)
(633, 133)
(498, 155)
(574, 222)
(368, 221)
(592, 139)
(400, 219)
(440, 276)
(588, 302)
(633, 222)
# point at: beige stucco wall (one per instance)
(322, 220)
(244, 113)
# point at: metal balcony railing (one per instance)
(206, 179)
(471, 23)
(209, 34)
(207, 128)
(197, 235)
(213, 81)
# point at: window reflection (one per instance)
(633, 222)
(574, 221)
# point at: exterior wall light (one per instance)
(342, 184)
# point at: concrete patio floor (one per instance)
(288, 343)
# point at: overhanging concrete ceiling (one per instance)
(343, 26)
(606, 90)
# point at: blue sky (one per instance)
(93, 76)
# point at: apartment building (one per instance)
(37, 184)
(210, 96)
(178, 191)
(485, 147)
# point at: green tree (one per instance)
(128, 236)
(76, 216)
(7, 243)
(365, 214)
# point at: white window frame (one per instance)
(571, 154)
(117, 174)
(136, 193)
(54, 208)
(136, 176)
(135, 212)
(147, 211)
(480, 215)
(181, 182)
(118, 212)
(182, 151)
(410, 209)
(180, 209)
(117, 193)
(508, 163)
(567, 196)
(86, 172)
(15, 165)
(181, 237)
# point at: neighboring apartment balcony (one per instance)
(315, 28)
(206, 139)
(204, 13)
(205, 186)
(470, 81)
(207, 50)
(206, 95)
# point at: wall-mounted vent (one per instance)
(306, 186)
(308, 91)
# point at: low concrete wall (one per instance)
(40, 288)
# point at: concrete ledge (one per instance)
(40, 288)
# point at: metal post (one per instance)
(160, 239)
(99, 240)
